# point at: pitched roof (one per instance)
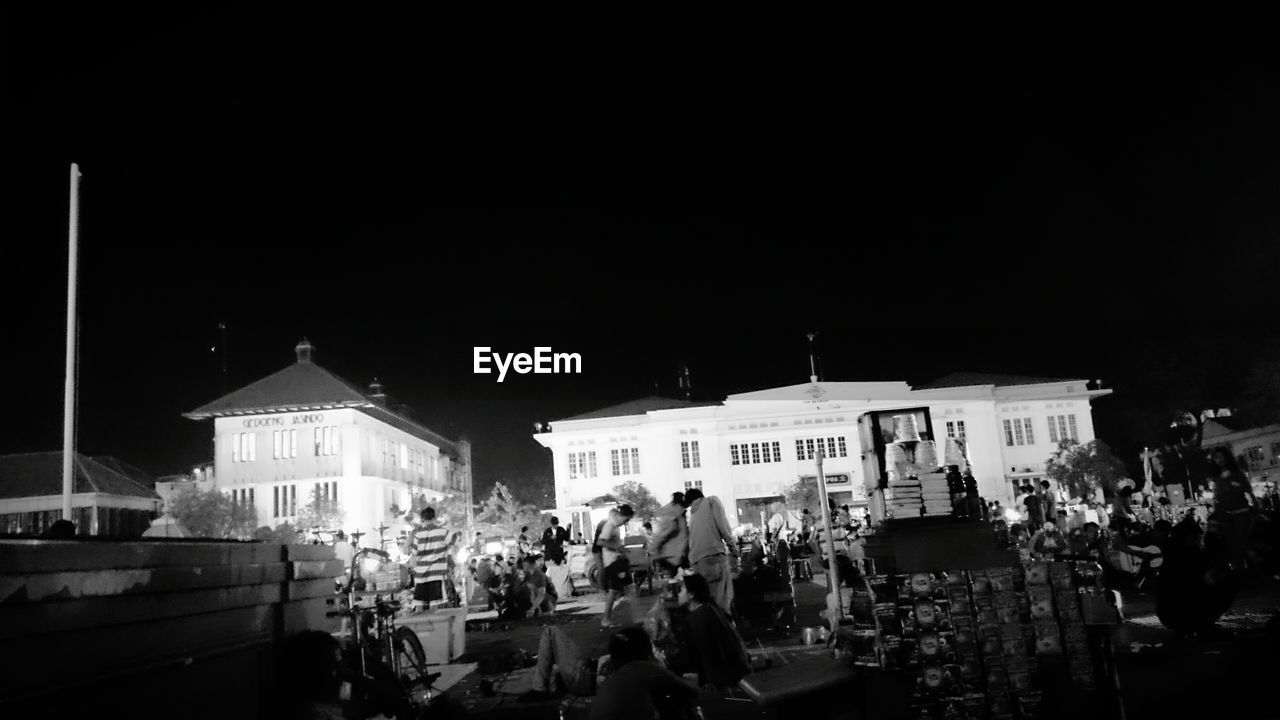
(305, 385)
(40, 474)
(639, 407)
(968, 379)
(301, 385)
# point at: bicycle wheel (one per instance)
(410, 656)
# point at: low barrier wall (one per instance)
(183, 628)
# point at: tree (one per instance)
(803, 495)
(320, 513)
(636, 495)
(1083, 468)
(282, 534)
(503, 511)
(212, 514)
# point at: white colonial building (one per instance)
(305, 431)
(750, 447)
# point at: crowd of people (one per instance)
(1193, 557)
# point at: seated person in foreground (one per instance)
(711, 643)
(628, 693)
(638, 687)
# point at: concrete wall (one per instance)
(172, 629)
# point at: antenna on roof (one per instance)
(686, 385)
(813, 370)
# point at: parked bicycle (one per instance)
(388, 661)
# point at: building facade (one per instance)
(750, 447)
(303, 433)
(1257, 449)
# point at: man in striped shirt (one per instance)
(430, 563)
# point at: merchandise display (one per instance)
(979, 643)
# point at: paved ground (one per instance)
(1235, 676)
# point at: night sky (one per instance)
(1104, 207)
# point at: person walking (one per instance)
(710, 543)
(615, 570)
(430, 563)
(670, 543)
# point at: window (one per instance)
(244, 447)
(275, 502)
(252, 500)
(284, 444)
(755, 453)
(293, 500)
(955, 429)
(1062, 427)
(1008, 433)
(806, 448)
(1026, 426)
(1275, 453)
(626, 461)
(689, 457)
(1017, 431)
(582, 465)
(1254, 456)
(844, 452)
(691, 484)
(404, 457)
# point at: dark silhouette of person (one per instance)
(61, 530)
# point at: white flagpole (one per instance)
(69, 393)
(835, 608)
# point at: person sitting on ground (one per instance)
(713, 645)
(535, 595)
(637, 686)
(1049, 542)
(311, 679)
(1192, 590)
(564, 664)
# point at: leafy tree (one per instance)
(635, 494)
(803, 494)
(503, 511)
(212, 514)
(283, 534)
(1083, 468)
(320, 513)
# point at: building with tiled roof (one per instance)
(749, 447)
(109, 497)
(304, 433)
